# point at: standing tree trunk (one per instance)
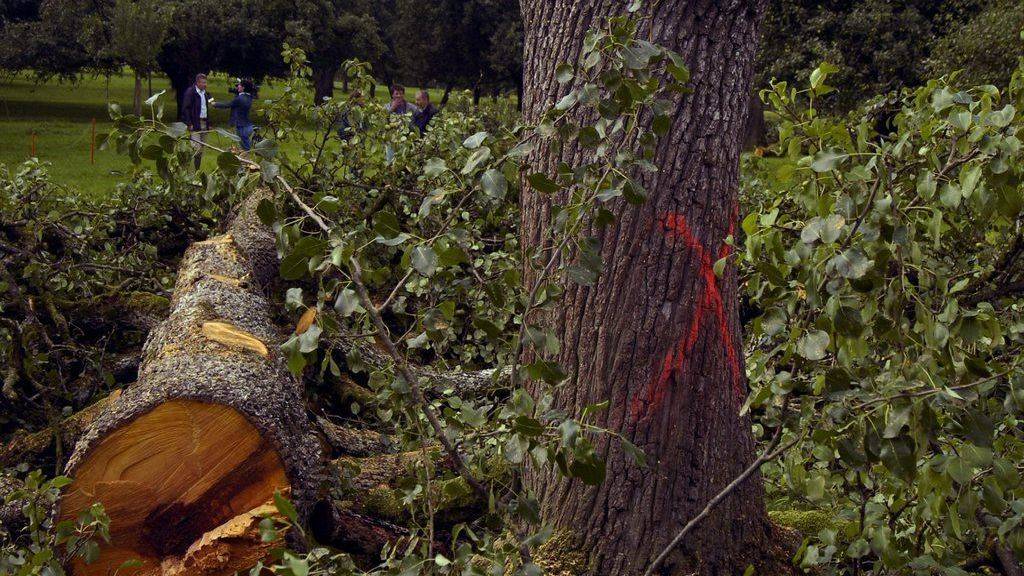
(756, 130)
(447, 93)
(138, 93)
(180, 81)
(323, 83)
(658, 335)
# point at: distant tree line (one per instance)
(879, 45)
(882, 45)
(466, 44)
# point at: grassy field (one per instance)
(60, 116)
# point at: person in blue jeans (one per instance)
(240, 106)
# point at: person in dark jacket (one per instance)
(425, 111)
(195, 113)
(240, 106)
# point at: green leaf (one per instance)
(176, 129)
(1001, 118)
(298, 566)
(424, 260)
(567, 101)
(267, 212)
(347, 302)
(494, 184)
(813, 345)
(832, 228)
(719, 266)
(294, 266)
(636, 454)
(969, 179)
(897, 416)
(541, 183)
(827, 160)
(589, 468)
(816, 488)
(286, 508)
(564, 73)
(152, 99)
(950, 195)
(228, 162)
(434, 167)
(821, 73)
(527, 426)
(487, 326)
(852, 263)
(475, 140)
(386, 224)
(478, 156)
(926, 185)
(309, 340)
(547, 371)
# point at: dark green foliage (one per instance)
(471, 44)
(986, 47)
(878, 45)
(31, 541)
(69, 266)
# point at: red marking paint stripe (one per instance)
(710, 300)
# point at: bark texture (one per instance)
(659, 333)
(220, 281)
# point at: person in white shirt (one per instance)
(195, 113)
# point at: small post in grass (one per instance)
(32, 145)
(92, 144)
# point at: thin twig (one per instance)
(414, 385)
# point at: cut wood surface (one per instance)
(214, 425)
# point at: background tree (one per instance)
(658, 334)
(137, 32)
(475, 44)
(48, 38)
(332, 31)
(877, 45)
(240, 37)
(986, 47)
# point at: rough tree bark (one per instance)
(215, 424)
(659, 334)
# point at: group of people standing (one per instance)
(422, 112)
(195, 113)
(196, 104)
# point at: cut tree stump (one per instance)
(215, 423)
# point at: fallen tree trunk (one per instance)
(37, 449)
(215, 424)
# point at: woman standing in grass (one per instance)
(240, 106)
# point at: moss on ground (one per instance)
(806, 522)
(559, 556)
(148, 303)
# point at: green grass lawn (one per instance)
(60, 115)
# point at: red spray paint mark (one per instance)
(709, 302)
